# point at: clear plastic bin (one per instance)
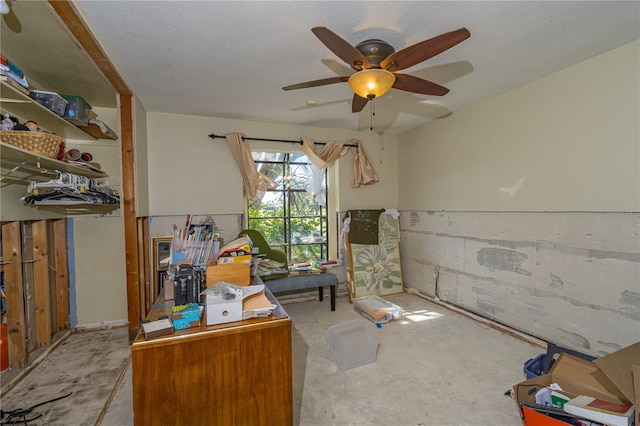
(51, 100)
(351, 344)
(77, 111)
(376, 309)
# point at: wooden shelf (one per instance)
(33, 161)
(15, 102)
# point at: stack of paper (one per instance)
(257, 306)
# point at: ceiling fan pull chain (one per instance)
(373, 112)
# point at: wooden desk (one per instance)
(228, 374)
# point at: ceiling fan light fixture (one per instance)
(371, 83)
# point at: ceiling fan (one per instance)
(376, 63)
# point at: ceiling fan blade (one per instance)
(424, 50)
(358, 103)
(413, 84)
(341, 48)
(314, 83)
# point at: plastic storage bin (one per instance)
(77, 111)
(51, 100)
(377, 309)
(351, 344)
(535, 366)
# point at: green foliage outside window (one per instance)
(288, 216)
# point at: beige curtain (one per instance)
(328, 155)
(363, 172)
(254, 183)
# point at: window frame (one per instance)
(287, 245)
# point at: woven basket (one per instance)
(42, 143)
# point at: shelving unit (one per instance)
(17, 103)
(54, 57)
(19, 159)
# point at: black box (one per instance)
(186, 285)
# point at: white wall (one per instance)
(191, 173)
(566, 142)
(525, 208)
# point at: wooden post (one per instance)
(41, 283)
(16, 329)
(61, 266)
(129, 215)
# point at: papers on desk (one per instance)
(228, 302)
(257, 306)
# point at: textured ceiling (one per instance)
(231, 59)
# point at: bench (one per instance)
(304, 282)
(284, 282)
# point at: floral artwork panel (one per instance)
(377, 267)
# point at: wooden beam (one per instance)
(129, 214)
(16, 329)
(61, 268)
(41, 283)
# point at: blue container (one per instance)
(534, 367)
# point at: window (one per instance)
(289, 217)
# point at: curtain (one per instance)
(329, 153)
(254, 183)
(363, 172)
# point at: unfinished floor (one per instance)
(434, 367)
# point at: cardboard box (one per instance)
(609, 378)
(234, 273)
(221, 310)
(622, 368)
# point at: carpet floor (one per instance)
(432, 367)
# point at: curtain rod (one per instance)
(214, 136)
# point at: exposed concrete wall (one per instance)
(568, 278)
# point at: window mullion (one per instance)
(296, 210)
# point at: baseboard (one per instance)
(102, 325)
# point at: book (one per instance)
(615, 414)
(558, 398)
(238, 247)
(15, 84)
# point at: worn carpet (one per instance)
(85, 366)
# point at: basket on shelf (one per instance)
(43, 143)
